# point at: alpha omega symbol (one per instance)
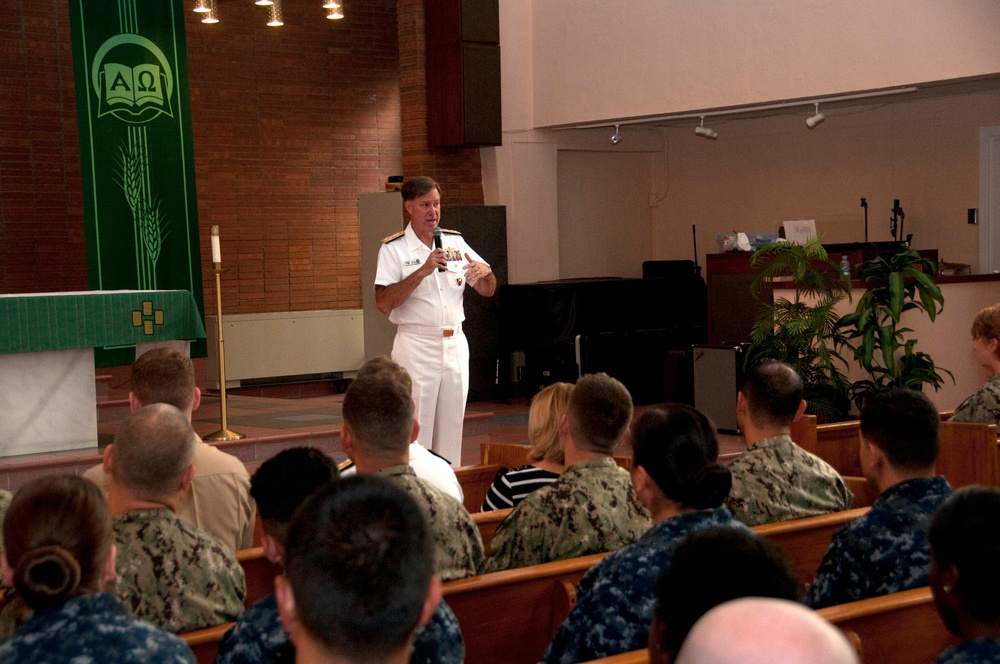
(132, 79)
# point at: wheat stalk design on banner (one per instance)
(147, 212)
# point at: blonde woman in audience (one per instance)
(545, 458)
(984, 404)
(60, 558)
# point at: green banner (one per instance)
(130, 68)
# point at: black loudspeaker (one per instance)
(463, 73)
(484, 227)
(717, 377)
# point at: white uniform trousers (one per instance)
(439, 367)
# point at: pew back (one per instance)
(475, 482)
(969, 454)
(488, 522)
(864, 493)
(259, 573)
(836, 443)
(204, 643)
(510, 616)
(902, 627)
(805, 541)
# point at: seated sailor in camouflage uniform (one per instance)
(775, 479)
(279, 486)
(376, 433)
(60, 558)
(359, 576)
(591, 508)
(984, 404)
(964, 576)
(218, 498)
(169, 571)
(886, 550)
(678, 478)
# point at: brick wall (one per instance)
(289, 125)
(42, 244)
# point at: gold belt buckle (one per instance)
(449, 332)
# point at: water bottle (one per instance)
(845, 266)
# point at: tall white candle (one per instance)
(216, 247)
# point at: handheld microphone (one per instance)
(437, 242)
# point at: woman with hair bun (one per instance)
(59, 558)
(676, 475)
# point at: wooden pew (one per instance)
(475, 482)
(509, 617)
(836, 443)
(259, 573)
(902, 627)
(488, 522)
(864, 493)
(804, 541)
(204, 643)
(969, 454)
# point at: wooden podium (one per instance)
(47, 340)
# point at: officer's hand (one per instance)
(435, 260)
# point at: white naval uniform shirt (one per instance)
(438, 299)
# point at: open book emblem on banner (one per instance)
(132, 79)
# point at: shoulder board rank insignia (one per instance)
(394, 236)
(445, 230)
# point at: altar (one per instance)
(48, 398)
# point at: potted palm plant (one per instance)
(895, 283)
(801, 328)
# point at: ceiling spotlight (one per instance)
(707, 132)
(336, 9)
(213, 13)
(616, 137)
(263, 3)
(814, 120)
(201, 6)
(275, 18)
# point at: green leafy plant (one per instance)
(801, 330)
(896, 283)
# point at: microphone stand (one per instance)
(864, 204)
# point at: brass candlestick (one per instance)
(224, 433)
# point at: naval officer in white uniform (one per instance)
(421, 287)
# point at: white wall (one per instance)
(593, 59)
(582, 61)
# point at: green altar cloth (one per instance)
(38, 322)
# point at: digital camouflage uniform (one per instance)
(92, 628)
(458, 546)
(616, 599)
(983, 406)
(173, 574)
(776, 480)
(978, 651)
(5, 498)
(884, 551)
(591, 508)
(258, 637)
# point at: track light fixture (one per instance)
(707, 132)
(815, 119)
(616, 137)
(201, 7)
